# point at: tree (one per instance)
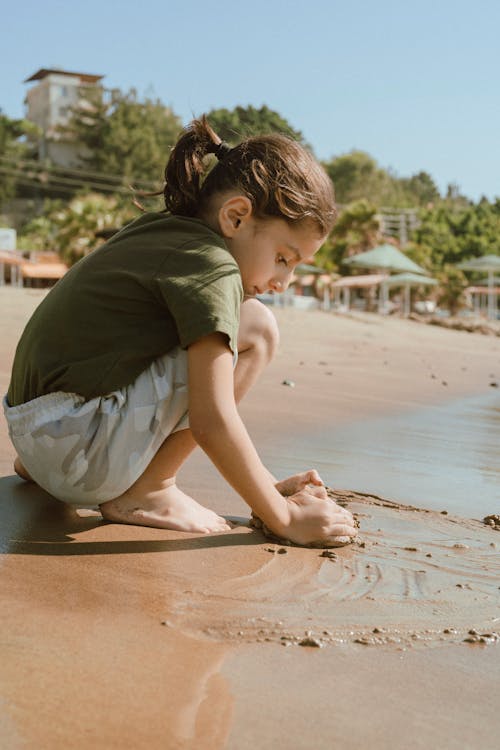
(451, 290)
(357, 175)
(455, 232)
(421, 188)
(422, 255)
(15, 145)
(352, 175)
(72, 228)
(357, 229)
(119, 134)
(238, 123)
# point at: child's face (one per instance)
(267, 252)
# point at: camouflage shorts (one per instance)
(87, 452)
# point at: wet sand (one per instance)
(116, 636)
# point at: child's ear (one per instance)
(234, 213)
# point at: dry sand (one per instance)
(128, 637)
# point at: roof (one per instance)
(385, 257)
(11, 259)
(43, 270)
(371, 279)
(305, 280)
(485, 282)
(44, 72)
(484, 263)
(483, 290)
(409, 279)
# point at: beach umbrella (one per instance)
(407, 280)
(490, 264)
(484, 282)
(386, 258)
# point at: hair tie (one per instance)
(222, 150)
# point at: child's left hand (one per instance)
(310, 479)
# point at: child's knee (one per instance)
(270, 332)
(258, 329)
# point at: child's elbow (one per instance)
(205, 428)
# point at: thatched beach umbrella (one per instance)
(407, 280)
(490, 264)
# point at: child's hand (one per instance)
(298, 482)
(314, 520)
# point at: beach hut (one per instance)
(488, 264)
(407, 280)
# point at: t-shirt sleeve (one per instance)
(202, 289)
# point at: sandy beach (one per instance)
(128, 637)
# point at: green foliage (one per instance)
(241, 122)
(449, 233)
(70, 228)
(122, 135)
(455, 233)
(451, 290)
(421, 189)
(422, 255)
(15, 144)
(357, 229)
(354, 176)
(357, 176)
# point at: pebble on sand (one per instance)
(329, 553)
(310, 641)
(492, 520)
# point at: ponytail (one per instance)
(187, 166)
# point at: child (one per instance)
(142, 350)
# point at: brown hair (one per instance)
(280, 177)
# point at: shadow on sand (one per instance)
(32, 522)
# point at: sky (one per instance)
(415, 85)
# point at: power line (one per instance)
(71, 176)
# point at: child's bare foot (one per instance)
(165, 508)
(21, 471)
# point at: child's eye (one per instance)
(281, 259)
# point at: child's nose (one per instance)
(278, 286)
(280, 282)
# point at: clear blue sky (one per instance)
(415, 85)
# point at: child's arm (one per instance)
(218, 429)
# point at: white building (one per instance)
(49, 104)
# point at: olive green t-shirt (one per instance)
(161, 281)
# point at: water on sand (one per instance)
(443, 457)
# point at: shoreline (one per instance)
(164, 639)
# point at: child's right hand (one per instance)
(316, 520)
